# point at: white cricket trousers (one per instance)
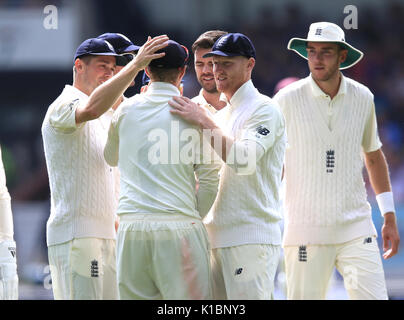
(245, 272)
(84, 269)
(162, 256)
(309, 269)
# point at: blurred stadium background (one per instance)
(36, 63)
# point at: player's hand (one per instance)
(188, 110)
(148, 53)
(391, 238)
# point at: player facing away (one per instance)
(127, 51)
(162, 244)
(209, 96)
(8, 259)
(80, 229)
(249, 135)
(332, 131)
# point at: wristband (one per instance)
(385, 202)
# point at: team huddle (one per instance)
(159, 196)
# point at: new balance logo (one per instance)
(330, 160)
(318, 31)
(367, 240)
(302, 253)
(12, 251)
(238, 271)
(94, 269)
(262, 130)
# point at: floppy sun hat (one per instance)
(326, 32)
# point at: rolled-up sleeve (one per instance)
(370, 140)
(63, 116)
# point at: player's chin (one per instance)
(221, 86)
(210, 87)
(320, 76)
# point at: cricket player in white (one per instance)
(8, 262)
(332, 128)
(80, 229)
(209, 96)
(244, 231)
(162, 244)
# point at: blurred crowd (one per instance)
(378, 35)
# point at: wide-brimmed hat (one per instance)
(326, 32)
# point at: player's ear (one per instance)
(146, 70)
(343, 55)
(183, 70)
(79, 65)
(251, 63)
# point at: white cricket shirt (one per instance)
(247, 207)
(200, 99)
(81, 182)
(326, 200)
(158, 155)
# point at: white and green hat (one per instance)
(326, 32)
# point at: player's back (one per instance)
(157, 152)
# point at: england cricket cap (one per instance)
(232, 45)
(176, 55)
(95, 47)
(326, 32)
(120, 42)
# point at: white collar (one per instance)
(162, 88)
(242, 96)
(73, 90)
(317, 92)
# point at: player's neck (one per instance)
(214, 99)
(83, 88)
(331, 85)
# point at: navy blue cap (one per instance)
(176, 55)
(96, 47)
(232, 45)
(120, 42)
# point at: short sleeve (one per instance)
(63, 116)
(370, 139)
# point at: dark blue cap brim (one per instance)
(97, 54)
(220, 53)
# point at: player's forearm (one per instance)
(377, 169)
(108, 93)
